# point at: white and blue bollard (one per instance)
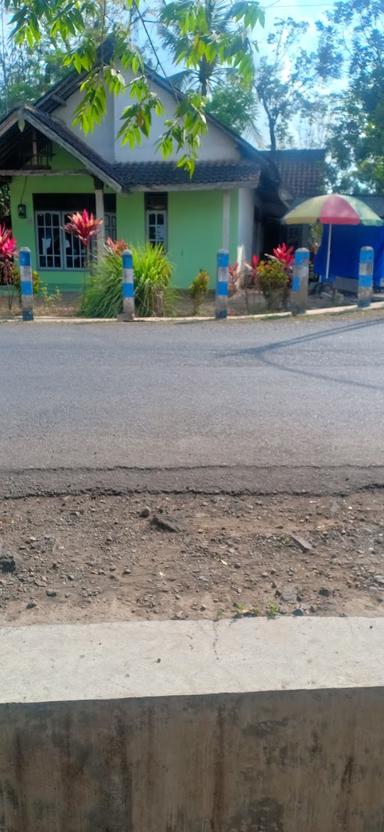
(299, 286)
(26, 284)
(365, 278)
(128, 287)
(222, 284)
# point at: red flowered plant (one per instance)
(83, 225)
(255, 260)
(284, 254)
(7, 242)
(115, 246)
(243, 275)
(7, 250)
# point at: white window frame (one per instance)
(38, 227)
(63, 218)
(157, 211)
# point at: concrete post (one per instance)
(299, 288)
(222, 284)
(365, 279)
(26, 284)
(128, 288)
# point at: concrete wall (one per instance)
(194, 223)
(22, 189)
(215, 146)
(101, 138)
(251, 726)
(195, 228)
(268, 762)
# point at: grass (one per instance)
(153, 291)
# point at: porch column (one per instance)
(226, 219)
(99, 200)
(245, 224)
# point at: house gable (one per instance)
(217, 145)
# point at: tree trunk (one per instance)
(272, 134)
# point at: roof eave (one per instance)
(29, 116)
(193, 186)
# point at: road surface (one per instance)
(283, 394)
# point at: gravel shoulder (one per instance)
(166, 555)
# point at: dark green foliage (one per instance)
(351, 47)
(153, 291)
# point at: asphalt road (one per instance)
(278, 394)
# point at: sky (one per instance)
(309, 10)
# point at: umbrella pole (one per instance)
(328, 254)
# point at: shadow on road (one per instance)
(261, 353)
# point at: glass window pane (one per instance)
(48, 239)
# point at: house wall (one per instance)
(194, 223)
(130, 218)
(22, 190)
(215, 146)
(195, 232)
(101, 139)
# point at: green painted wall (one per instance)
(195, 233)
(130, 218)
(22, 189)
(194, 223)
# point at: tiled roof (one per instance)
(61, 91)
(301, 171)
(54, 130)
(374, 201)
(132, 175)
(70, 138)
(143, 175)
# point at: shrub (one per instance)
(274, 282)
(198, 289)
(13, 281)
(153, 272)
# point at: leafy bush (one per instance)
(11, 278)
(153, 292)
(198, 289)
(153, 271)
(274, 281)
(35, 281)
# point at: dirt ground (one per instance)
(254, 304)
(190, 556)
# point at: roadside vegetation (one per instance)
(154, 293)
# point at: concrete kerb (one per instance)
(333, 310)
(71, 662)
(166, 726)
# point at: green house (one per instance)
(54, 169)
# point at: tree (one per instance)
(81, 29)
(351, 53)
(236, 106)
(285, 82)
(25, 74)
(223, 35)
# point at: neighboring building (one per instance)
(54, 169)
(374, 201)
(302, 175)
